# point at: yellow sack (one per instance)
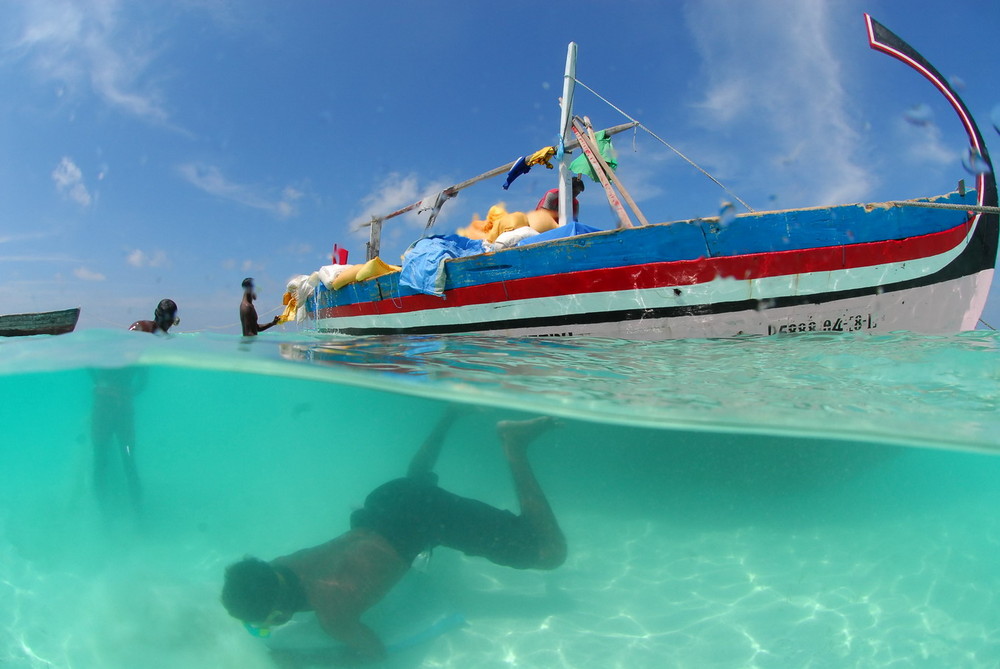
(347, 276)
(374, 268)
(511, 221)
(541, 220)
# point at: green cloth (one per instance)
(582, 166)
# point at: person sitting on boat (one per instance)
(342, 578)
(550, 201)
(164, 316)
(248, 313)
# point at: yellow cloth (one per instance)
(288, 299)
(542, 157)
(480, 229)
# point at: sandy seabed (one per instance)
(632, 594)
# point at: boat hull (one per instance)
(924, 270)
(49, 322)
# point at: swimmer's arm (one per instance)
(363, 645)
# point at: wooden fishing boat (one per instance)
(48, 322)
(923, 265)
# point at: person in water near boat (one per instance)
(550, 201)
(248, 313)
(164, 316)
(342, 578)
(112, 431)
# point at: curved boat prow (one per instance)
(983, 226)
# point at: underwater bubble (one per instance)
(995, 117)
(958, 83)
(919, 114)
(975, 164)
(727, 213)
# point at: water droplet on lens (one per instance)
(764, 304)
(958, 83)
(727, 214)
(919, 114)
(975, 164)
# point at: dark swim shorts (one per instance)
(414, 514)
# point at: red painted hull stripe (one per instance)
(669, 274)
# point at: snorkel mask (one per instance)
(260, 632)
(263, 630)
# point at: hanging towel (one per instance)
(520, 167)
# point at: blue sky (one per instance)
(168, 149)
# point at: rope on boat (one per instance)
(666, 144)
(987, 325)
(942, 205)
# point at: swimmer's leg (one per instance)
(126, 441)
(131, 476)
(425, 459)
(101, 435)
(535, 510)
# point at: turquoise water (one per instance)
(799, 501)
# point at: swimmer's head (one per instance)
(165, 314)
(255, 593)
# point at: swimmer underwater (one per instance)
(343, 578)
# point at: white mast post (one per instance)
(565, 128)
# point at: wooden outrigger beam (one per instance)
(497, 171)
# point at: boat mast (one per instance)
(565, 129)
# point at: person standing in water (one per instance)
(248, 313)
(342, 578)
(112, 420)
(164, 316)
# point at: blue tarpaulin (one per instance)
(423, 262)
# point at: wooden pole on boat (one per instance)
(375, 238)
(612, 176)
(599, 167)
(565, 127)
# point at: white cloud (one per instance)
(774, 89)
(211, 180)
(139, 258)
(395, 192)
(926, 146)
(88, 275)
(69, 181)
(83, 44)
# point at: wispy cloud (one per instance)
(139, 258)
(69, 181)
(85, 274)
(925, 144)
(211, 180)
(397, 191)
(85, 44)
(26, 236)
(772, 80)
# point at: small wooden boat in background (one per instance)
(48, 322)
